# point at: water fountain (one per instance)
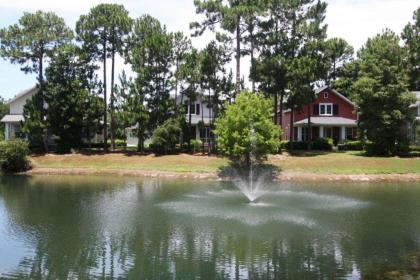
(250, 180)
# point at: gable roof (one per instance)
(33, 89)
(319, 90)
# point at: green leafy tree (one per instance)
(383, 81)
(337, 53)
(151, 57)
(133, 108)
(181, 46)
(291, 41)
(30, 43)
(232, 17)
(245, 130)
(411, 37)
(65, 97)
(349, 74)
(104, 32)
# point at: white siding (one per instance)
(16, 106)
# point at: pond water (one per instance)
(60, 227)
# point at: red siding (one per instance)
(345, 110)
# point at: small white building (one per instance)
(14, 119)
(201, 117)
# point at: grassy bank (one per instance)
(314, 162)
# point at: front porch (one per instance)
(338, 129)
(12, 127)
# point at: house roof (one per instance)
(12, 119)
(328, 121)
(23, 93)
(319, 90)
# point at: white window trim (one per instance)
(326, 95)
(189, 108)
(326, 104)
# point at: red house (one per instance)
(332, 116)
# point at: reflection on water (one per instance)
(92, 227)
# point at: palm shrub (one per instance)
(13, 156)
(245, 130)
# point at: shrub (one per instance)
(354, 146)
(284, 145)
(166, 137)
(196, 145)
(13, 156)
(323, 144)
(415, 148)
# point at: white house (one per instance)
(201, 118)
(13, 120)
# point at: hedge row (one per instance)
(320, 144)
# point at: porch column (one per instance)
(6, 131)
(299, 133)
(321, 132)
(197, 133)
(343, 133)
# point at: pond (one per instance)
(74, 227)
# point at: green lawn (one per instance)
(346, 163)
(309, 162)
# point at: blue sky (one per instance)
(353, 20)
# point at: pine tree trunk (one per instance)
(189, 126)
(276, 108)
(291, 134)
(42, 109)
(238, 57)
(281, 107)
(112, 101)
(309, 134)
(105, 104)
(140, 138)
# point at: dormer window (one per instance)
(325, 109)
(325, 95)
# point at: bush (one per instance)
(13, 156)
(323, 144)
(196, 145)
(284, 145)
(415, 148)
(166, 137)
(354, 146)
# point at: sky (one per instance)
(353, 20)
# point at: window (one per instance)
(418, 111)
(325, 109)
(305, 133)
(325, 95)
(206, 135)
(349, 133)
(194, 108)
